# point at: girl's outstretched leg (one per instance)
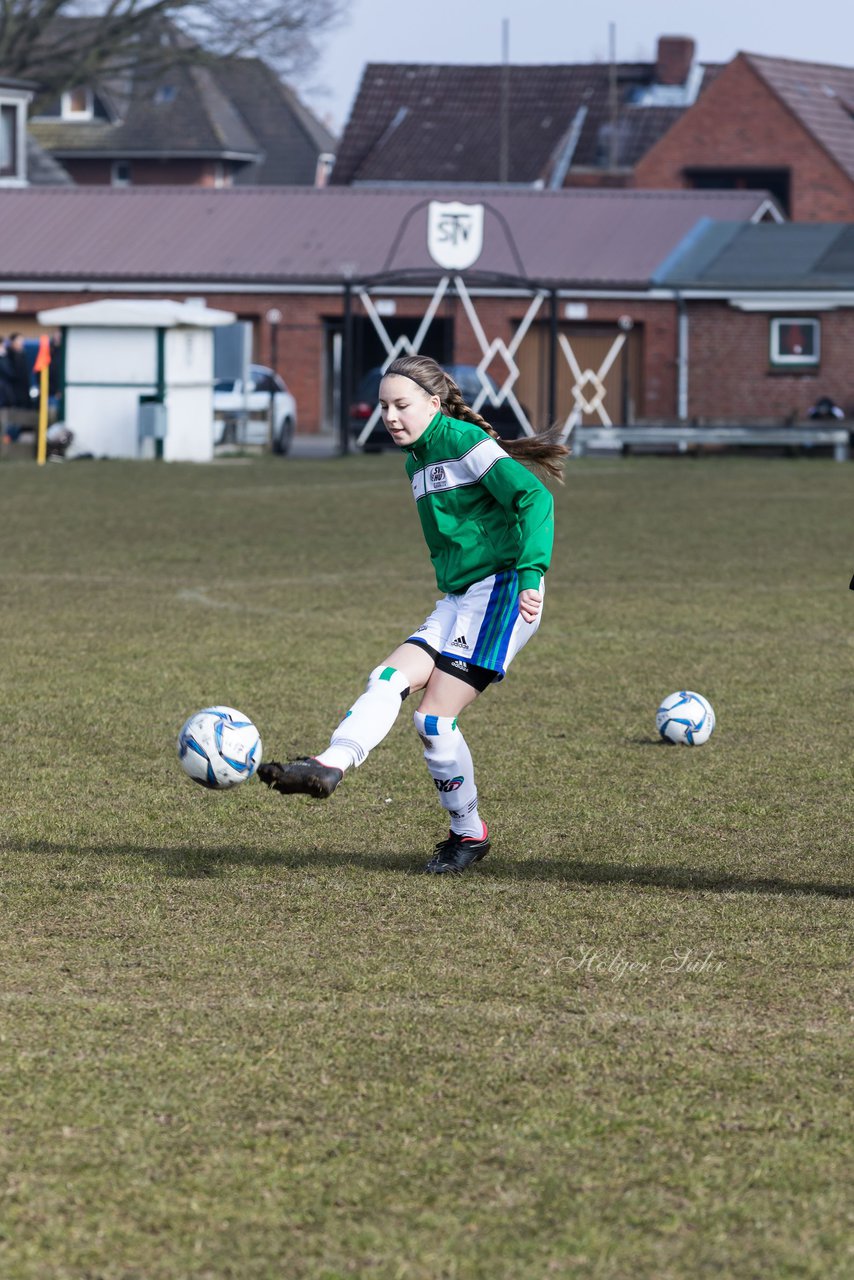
(368, 721)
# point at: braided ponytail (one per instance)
(543, 451)
(455, 406)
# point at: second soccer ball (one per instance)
(685, 717)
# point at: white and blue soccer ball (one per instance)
(219, 747)
(685, 717)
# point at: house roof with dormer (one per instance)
(443, 123)
(233, 109)
(180, 112)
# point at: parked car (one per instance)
(264, 388)
(467, 379)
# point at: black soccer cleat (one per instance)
(305, 776)
(457, 853)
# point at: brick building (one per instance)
(756, 123)
(215, 121)
(771, 123)
(768, 320)
(560, 286)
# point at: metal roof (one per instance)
(310, 235)
(818, 255)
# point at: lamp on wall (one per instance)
(274, 319)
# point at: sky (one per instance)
(565, 31)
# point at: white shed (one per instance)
(138, 377)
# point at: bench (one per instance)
(690, 439)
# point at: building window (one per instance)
(78, 104)
(8, 141)
(120, 173)
(775, 181)
(795, 343)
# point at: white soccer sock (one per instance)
(368, 721)
(451, 768)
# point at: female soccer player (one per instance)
(488, 523)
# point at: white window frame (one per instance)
(780, 359)
(221, 176)
(68, 112)
(115, 179)
(17, 177)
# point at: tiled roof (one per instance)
(442, 123)
(236, 108)
(821, 96)
(42, 169)
(303, 235)
(289, 135)
(180, 112)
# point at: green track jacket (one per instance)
(481, 511)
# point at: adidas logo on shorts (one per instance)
(459, 664)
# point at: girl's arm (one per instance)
(521, 494)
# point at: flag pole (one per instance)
(42, 367)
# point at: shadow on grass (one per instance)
(186, 862)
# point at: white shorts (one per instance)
(480, 629)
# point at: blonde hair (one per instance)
(542, 451)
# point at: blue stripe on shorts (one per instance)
(499, 620)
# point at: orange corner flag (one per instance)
(43, 357)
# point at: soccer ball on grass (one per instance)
(219, 747)
(686, 718)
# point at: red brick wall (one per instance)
(184, 173)
(739, 121)
(655, 323)
(300, 336)
(730, 377)
(88, 173)
(300, 341)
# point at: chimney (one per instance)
(673, 59)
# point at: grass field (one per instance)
(242, 1037)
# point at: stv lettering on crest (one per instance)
(454, 234)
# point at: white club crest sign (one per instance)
(454, 234)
